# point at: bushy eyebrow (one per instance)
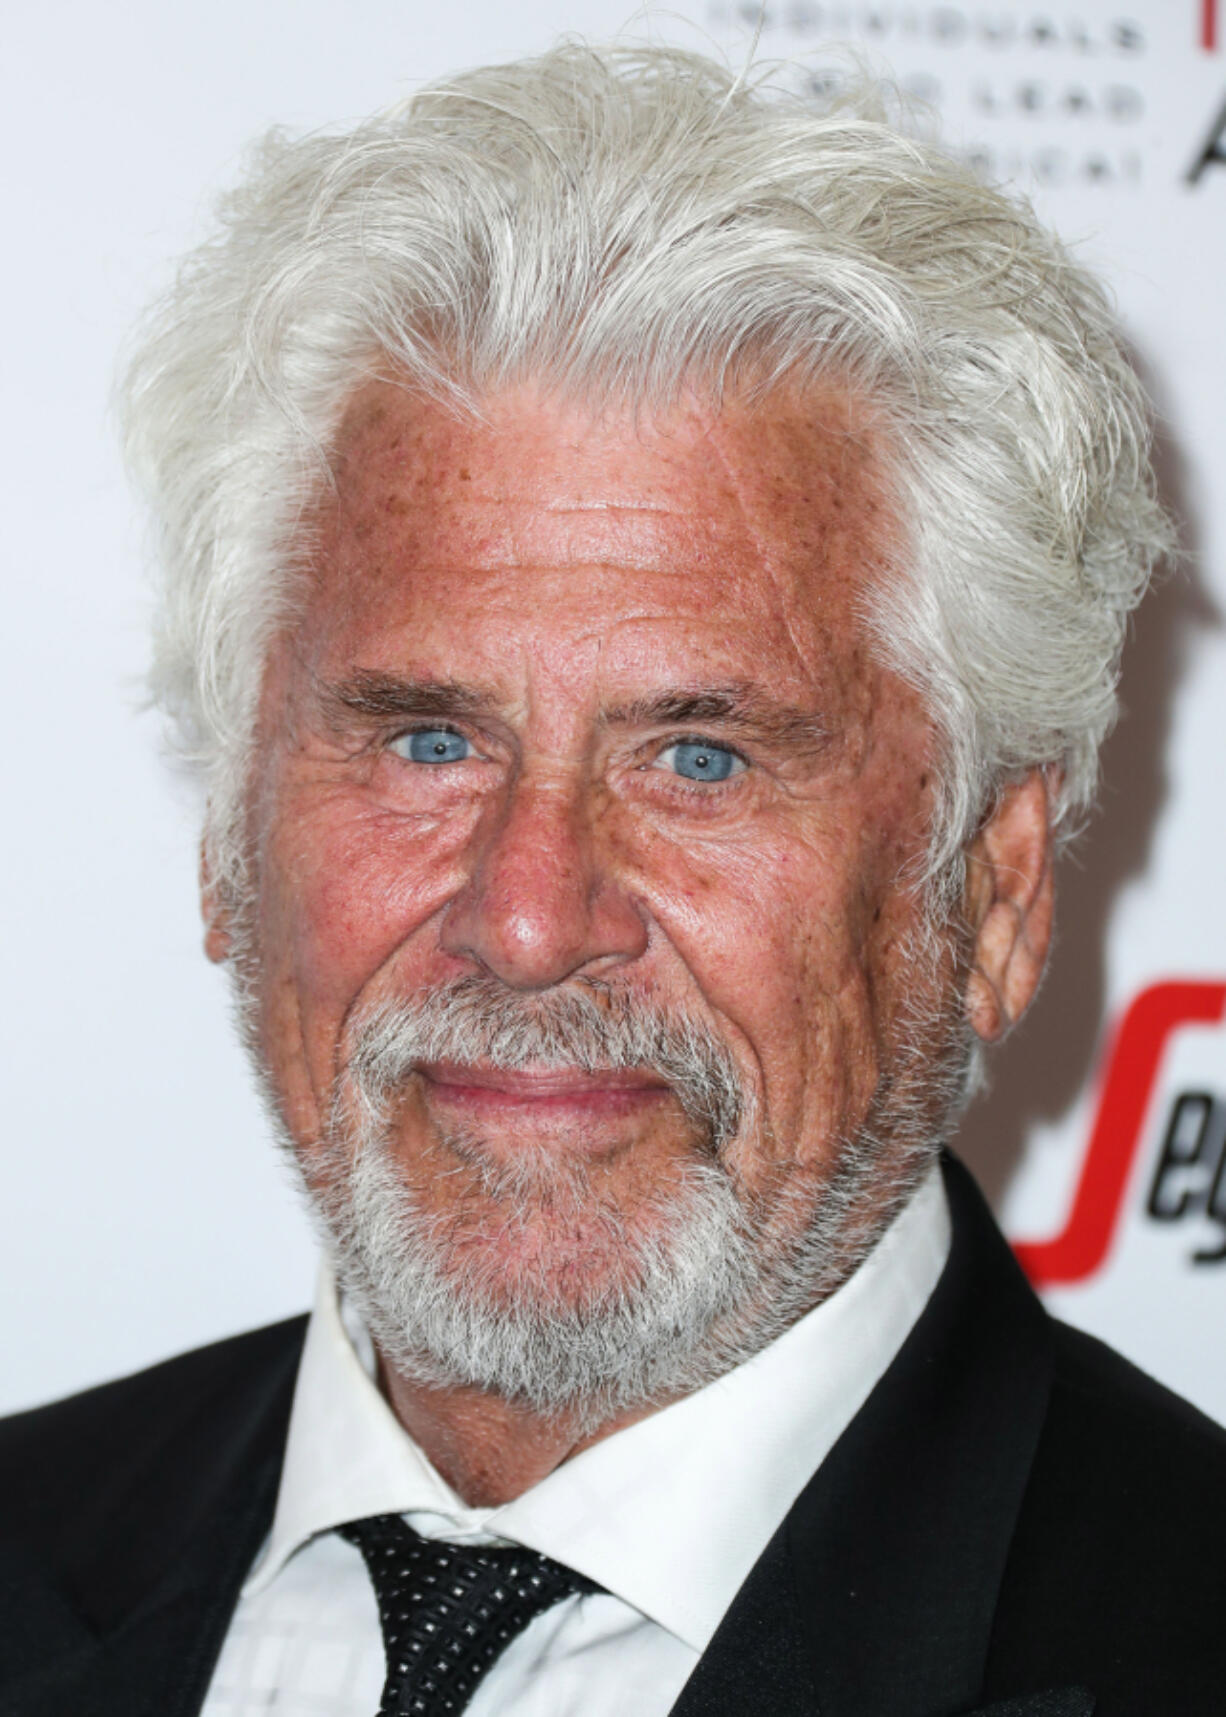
(740, 706)
(390, 697)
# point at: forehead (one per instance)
(760, 524)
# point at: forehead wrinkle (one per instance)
(613, 506)
(610, 537)
(766, 553)
(840, 435)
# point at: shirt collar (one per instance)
(669, 1514)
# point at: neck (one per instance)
(488, 1449)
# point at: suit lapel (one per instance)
(1056, 1702)
(757, 1662)
(155, 1665)
(878, 1591)
(131, 1622)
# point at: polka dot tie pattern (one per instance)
(449, 1610)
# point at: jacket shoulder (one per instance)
(1092, 1377)
(1118, 1443)
(1116, 1576)
(57, 1460)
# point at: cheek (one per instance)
(772, 936)
(783, 940)
(345, 893)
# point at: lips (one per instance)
(545, 1087)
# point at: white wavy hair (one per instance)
(623, 224)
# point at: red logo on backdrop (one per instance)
(1208, 24)
(1133, 1065)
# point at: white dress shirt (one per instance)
(668, 1515)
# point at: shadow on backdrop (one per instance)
(1041, 1071)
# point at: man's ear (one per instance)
(215, 913)
(1009, 905)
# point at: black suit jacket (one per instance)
(1017, 1521)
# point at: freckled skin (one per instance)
(563, 568)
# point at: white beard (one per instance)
(677, 1293)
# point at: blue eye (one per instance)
(432, 745)
(698, 761)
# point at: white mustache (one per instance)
(476, 1021)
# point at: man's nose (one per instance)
(542, 902)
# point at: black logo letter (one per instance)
(1213, 153)
(1190, 1179)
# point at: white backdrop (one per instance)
(143, 1210)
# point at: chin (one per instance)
(572, 1308)
(561, 1301)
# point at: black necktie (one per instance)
(448, 1610)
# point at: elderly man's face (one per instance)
(581, 708)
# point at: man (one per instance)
(646, 565)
